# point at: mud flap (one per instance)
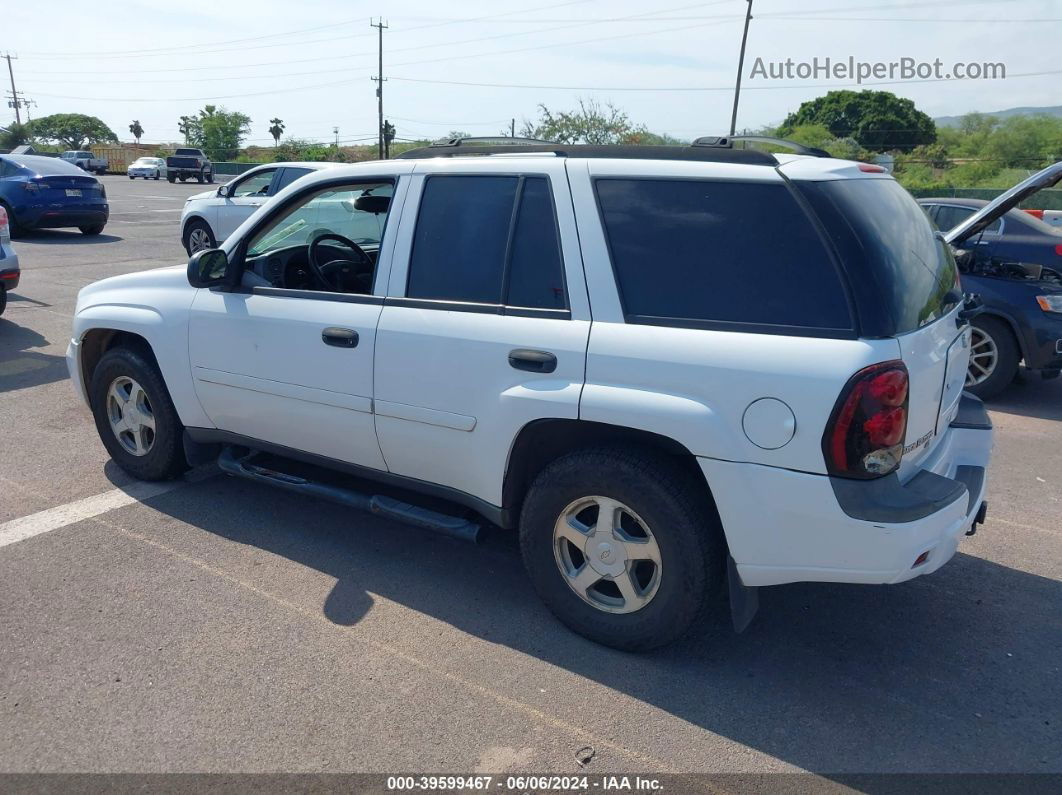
(744, 600)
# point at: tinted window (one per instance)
(461, 237)
(536, 275)
(727, 252)
(897, 265)
(8, 169)
(289, 175)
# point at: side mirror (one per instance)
(223, 191)
(208, 268)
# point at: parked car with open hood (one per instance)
(49, 193)
(1014, 262)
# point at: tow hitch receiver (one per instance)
(979, 519)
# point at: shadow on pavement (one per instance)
(65, 237)
(1030, 396)
(958, 671)
(21, 368)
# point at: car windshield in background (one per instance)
(911, 270)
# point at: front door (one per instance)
(244, 196)
(291, 362)
(485, 324)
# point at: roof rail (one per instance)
(488, 140)
(617, 151)
(727, 142)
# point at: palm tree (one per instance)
(136, 130)
(276, 130)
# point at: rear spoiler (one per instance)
(988, 214)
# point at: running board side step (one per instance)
(378, 504)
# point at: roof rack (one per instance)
(727, 142)
(488, 140)
(623, 152)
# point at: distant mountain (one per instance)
(1052, 110)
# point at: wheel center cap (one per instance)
(606, 557)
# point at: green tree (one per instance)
(217, 131)
(137, 130)
(878, 120)
(590, 123)
(15, 135)
(72, 130)
(276, 130)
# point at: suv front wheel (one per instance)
(135, 417)
(622, 546)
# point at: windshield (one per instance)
(896, 262)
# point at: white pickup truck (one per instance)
(86, 160)
(599, 346)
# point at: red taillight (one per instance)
(1058, 249)
(865, 434)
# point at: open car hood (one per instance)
(984, 218)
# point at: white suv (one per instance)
(604, 347)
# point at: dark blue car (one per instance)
(1015, 264)
(48, 193)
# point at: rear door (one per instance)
(485, 324)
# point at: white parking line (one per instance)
(45, 521)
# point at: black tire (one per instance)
(3, 299)
(165, 457)
(131, 177)
(192, 226)
(91, 230)
(670, 501)
(201, 177)
(210, 176)
(1007, 356)
(182, 178)
(171, 178)
(157, 175)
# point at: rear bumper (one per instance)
(9, 272)
(784, 526)
(64, 216)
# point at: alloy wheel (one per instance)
(607, 554)
(198, 240)
(984, 355)
(130, 415)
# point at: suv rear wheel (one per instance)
(621, 546)
(135, 417)
(994, 357)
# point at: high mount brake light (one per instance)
(865, 434)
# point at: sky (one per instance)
(472, 66)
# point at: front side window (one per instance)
(695, 252)
(289, 175)
(356, 212)
(488, 240)
(256, 185)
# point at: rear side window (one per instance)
(289, 175)
(903, 275)
(703, 253)
(487, 240)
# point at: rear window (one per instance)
(700, 253)
(901, 271)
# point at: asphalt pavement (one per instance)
(215, 625)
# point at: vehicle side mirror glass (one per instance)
(208, 268)
(223, 191)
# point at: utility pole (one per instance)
(14, 93)
(335, 130)
(512, 128)
(741, 65)
(379, 83)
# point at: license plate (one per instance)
(73, 191)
